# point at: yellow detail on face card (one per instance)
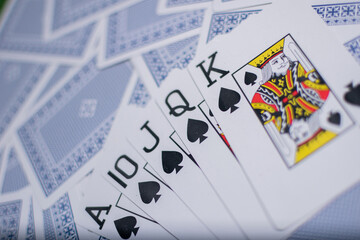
(291, 99)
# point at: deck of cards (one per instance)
(180, 119)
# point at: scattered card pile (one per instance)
(180, 119)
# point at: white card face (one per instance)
(87, 234)
(127, 171)
(100, 207)
(151, 137)
(183, 105)
(280, 105)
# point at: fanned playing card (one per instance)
(150, 133)
(292, 101)
(185, 108)
(280, 103)
(100, 207)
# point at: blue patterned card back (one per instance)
(14, 178)
(17, 80)
(223, 23)
(59, 220)
(162, 60)
(54, 79)
(22, 32)
(339, 220)
(10, 213)
(71, 127)
(140, 95)
(339, 13)
(67, 12)
(126, 31)
(353, 46)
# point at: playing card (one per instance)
(157, 63)
(337, 13)
(150, 132)
(100, 207)
(127, 34)
(20, 82)
(125, 181)
(14, 211)
(174, 6)
(341, 17)
(79, 114)
(126, 170)
(352, 46)
(155, 67)
(180, 101)
(57, 221)
(219, 23)
(12, 177)
(224, 5)
(21, 36)
(59, 72)
(299, 125)
(308, 115)
(63, 17)
(250, 130)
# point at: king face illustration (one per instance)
(290, 99)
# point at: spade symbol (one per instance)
(125, 226)
(352, 96)
(196, 130)
(250, 78)
(148, 191)
(227, 99)
(335, 118)
(171, 161)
